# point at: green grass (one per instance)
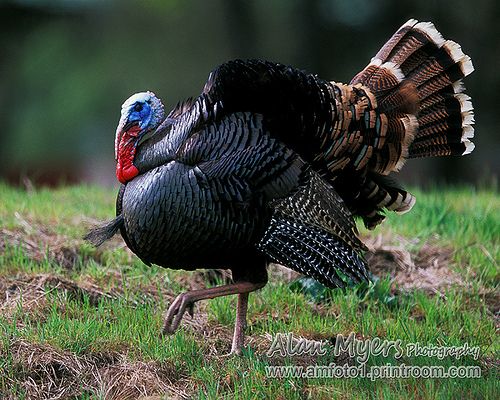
(128, 322)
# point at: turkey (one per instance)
(272, 164)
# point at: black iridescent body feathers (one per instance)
(271, 163)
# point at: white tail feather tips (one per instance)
(390, 66)
(411, 22)
(375, 61)
(467, 132)
(456, 53)
(467, 118)
(469, 146)
(407, 205)
(466, 65)
(465, 102)
(430, 30)
(454, 50)
(467, 111)
(458, 86)
(396, 71)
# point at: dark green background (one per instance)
(66, 66)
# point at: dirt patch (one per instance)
(280, 273)
(39, 243)
(411, 264)
(45, 372)
(490, 365)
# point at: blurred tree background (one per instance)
(66, 66)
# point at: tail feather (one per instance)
(381, 192)
(416, 80)
(103, 232)
(409, 38)
(418, 66)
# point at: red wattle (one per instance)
(126, 174)
(125, 169)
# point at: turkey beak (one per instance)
(129, 125)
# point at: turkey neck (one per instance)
(155, 151)
(163, 145)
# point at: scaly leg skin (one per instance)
(185, 301)
(240, 324)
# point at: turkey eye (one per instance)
(138, 107)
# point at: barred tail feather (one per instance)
(380, 192)
(418, 66)
(416, 80)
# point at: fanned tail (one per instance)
(420, 109)
(417, 75)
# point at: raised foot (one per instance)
(182, 303)
(185, 302)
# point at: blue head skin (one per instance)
(141, 114)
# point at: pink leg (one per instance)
(185, 301)
(240, 324)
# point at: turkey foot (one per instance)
(182, 303)
(185, 301)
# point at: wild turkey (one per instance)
(271, 163)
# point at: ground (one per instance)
(79, 322)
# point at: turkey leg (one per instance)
(185, 301)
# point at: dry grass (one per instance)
(42, 368)
(427, 268)
(45, 372)
(40, 244)
(28, 293)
